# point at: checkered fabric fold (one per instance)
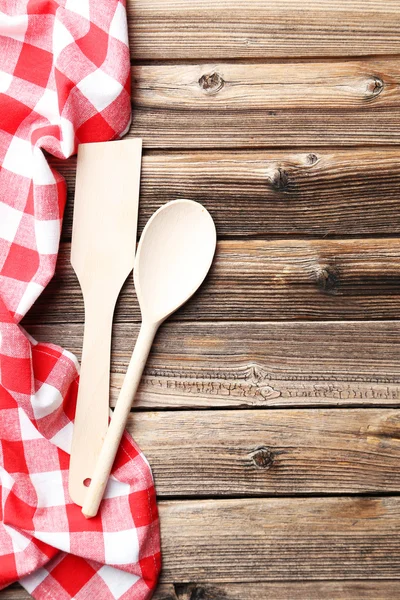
(64, 79)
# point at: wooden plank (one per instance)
(281, 539)
(239, 365)
(268, 193)
(257, 29)
(300, 590)
(264, 280)
(264, 452)
(284, 539)
(230, 105)
(14, 592)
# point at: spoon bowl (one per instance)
(174, 255)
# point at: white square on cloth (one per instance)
(5, 81)
(61, 38)
(31, 582)
(10, 219)
(47, 106)
(57, 539)
(18, 158)
(42, 174)
(46, 400)
(80, 7)
(49, 488)
(121, 547)
(118, 25)
(47, 235)
(20, 542)
(14, 26)
(63, 438)
(100, 89)
(118, 582)
(33, 291)
(28, 430)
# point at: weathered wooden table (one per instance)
(269, 409)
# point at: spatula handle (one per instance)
(116, 428)
(92, 409)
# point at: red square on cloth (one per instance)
(12, 113)
(34, 65)
(14, 457)
(8, 569)
(64, 87)
(19, 512)
(150, 566)
(44, 361)
(38, 7)
(143, 507)
(6, 400)
(78, 523)
(21, 262)
(94, 128)
(16, 374)
(63, 459)
(72, 573)
(94, 44)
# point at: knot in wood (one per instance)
(262, 457)
(280, 180)
(192, 591)
(312, 158)
(327, 279)
(374, 87)
(211, 83)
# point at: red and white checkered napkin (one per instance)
(64, 79)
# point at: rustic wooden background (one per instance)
(269, 409)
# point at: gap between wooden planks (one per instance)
(254, 365)
(205, 29)
(263, 280)
(329, 192)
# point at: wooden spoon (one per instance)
(173, 257)
(102, 255)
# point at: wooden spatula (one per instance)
(102, 255)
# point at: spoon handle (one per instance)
(119, 418)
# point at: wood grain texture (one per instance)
(225, 105)
(14, 592)
(263, 280)
(239, 365)
(267, 193)
(284, 539)
(266, 452)
(202, 29)
(339, 590)
(300, 590)
(281, 539)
